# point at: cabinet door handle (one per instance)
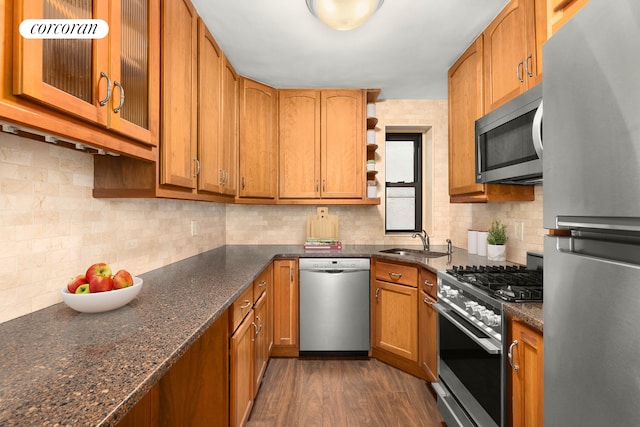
(246, 304)
(262, 284)
(291, 274)
(197, 162)
(317, 186)
(510, 355)
(518, 71)
(108, 97)
(426, 301)
(119, 86)
(324, 185)
(526, 65)
(395, 275)
(255, 328)
(244, 183)
(377, 292)
(260, 326)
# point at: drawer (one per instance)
(262, 283)
(397, 273)
(241, 307)
(429, 282)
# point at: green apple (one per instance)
(83, 289)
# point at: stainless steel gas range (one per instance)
(471, 383)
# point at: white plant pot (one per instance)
(496, 252)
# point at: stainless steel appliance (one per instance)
(509, 141)
(334, 306)
(592, 189)
(471, 385)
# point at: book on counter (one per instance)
(323, 244)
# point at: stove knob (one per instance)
(487, 317)
(478, 311)
(469, 306)
(497, 320)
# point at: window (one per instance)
(403, 186)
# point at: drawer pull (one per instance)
(426, 301)
(246, 304)
(395, 275)
(262, 284)
(428, 283)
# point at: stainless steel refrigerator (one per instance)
(591, 133)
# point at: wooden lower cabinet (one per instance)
(396, 319)
(146, 412)
(285, 308)
(428, 337)
(195, 390)
(241, 355)
(261, 344)
(525, 377)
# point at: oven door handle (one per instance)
(485, 343)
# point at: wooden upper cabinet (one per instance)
(179, 94)
(135, 65)
(465, 107)
(342, 144)
(562, 11)
(88, 78)
(229, 147)
(210, 60)
(469, 82)
(322, 148)
(258, 140)
(513, 51)
(299, 143)
(64, 74)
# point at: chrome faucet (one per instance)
(424, 237)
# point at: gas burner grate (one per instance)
(509, 283)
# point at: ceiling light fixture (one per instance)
(343, 14)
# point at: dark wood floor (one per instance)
(330, 393)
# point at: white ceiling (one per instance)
(405, 49)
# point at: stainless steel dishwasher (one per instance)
(334, 306)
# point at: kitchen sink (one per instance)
(416, 253)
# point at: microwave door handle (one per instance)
(536, 131)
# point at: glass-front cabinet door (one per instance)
(112, 82)
(135, 68)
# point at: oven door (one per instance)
(471, 373)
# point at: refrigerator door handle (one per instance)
(536, 131)
(611, 252)
(598, 223)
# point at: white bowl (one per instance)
(102, 301)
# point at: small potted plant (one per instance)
(496, 240)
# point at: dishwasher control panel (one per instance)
(334, 264)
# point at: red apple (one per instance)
(122, 279)
(76, 281)
(98, 269)
(83, 289)
(100, 284)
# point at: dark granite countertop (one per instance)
(61, 367)
(529, 313)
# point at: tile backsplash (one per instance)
(51, 227)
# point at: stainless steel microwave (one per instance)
(509, 142)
